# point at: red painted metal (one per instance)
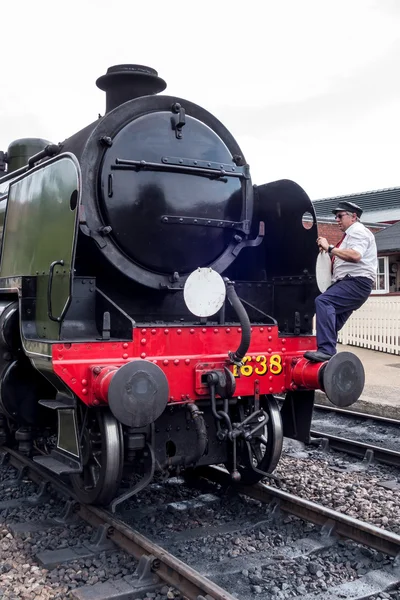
(185, 354)
(101, 382)
(306, 374)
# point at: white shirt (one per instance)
(360, 239)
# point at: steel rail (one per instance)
(357, 415)
(382, 455)
(170, 569)
(37, 473)
(343, 525)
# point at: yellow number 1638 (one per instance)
(272, 363)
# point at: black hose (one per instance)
(202, 439)
(201, 430)
(244, 322)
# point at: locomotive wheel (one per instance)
(103, 458)
(264, 450)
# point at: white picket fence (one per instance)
(375, 325)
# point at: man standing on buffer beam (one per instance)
(354, 268)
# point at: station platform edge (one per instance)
(381, 394)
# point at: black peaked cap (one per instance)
(348, 207)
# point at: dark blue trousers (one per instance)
(335, 306)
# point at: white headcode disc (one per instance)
(204, 292)
(323, 271)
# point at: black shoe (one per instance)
(317, 356)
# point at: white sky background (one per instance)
(309, 88)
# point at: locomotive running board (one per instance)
(57, 466)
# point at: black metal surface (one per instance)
(57, 466)
(9, 325)
(49, 291)
(141, 130)
(81, 321)
(21, 386)
(47, 152)
(296, 415)
(175, 433)
(178, 120)
(294, 251)
(243, 226)
(126, 82)
(138, 393)
(237, 355)
(213, 168)
(3, 161)
(183, 165)
(286, 259)
(148, 191)
(343, 379)
(121, 324)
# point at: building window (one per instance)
(382, 276)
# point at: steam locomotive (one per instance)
(153, 301)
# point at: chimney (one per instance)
(126, 82)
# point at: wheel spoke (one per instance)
(96, 456)
(87, 477)
(257, 453)
(94, 473)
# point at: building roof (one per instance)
(379, 206)
(388, 240)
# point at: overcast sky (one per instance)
(309, 88)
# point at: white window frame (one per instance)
(385, 274)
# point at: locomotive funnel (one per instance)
(126, 82)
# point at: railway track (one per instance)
(356, 414)
(364, 450)
(158, 566)
(342, 525)
(294, 553)
(155, 564)
(137, 545)
(367, 450)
